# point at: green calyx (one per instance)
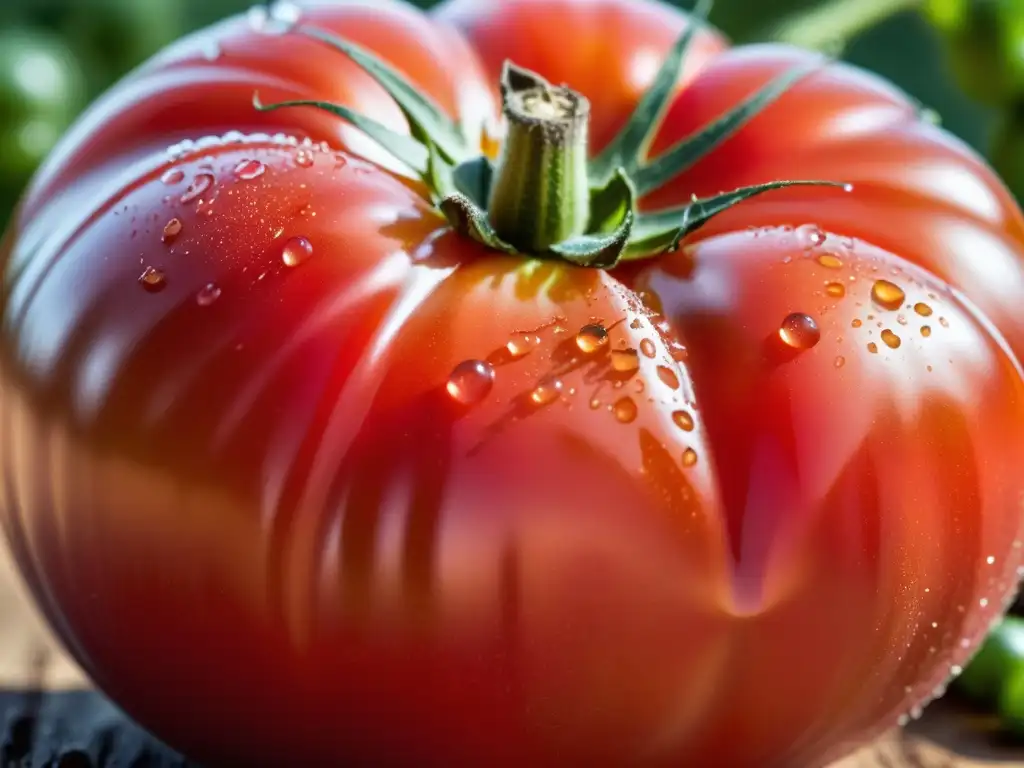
(543, 197)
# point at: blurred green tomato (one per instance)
(1011, 703)
(41, 92)
(985, 43)
(1001, 659)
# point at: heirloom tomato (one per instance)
(382, 429)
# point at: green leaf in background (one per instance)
(42, 89)
(985, 44)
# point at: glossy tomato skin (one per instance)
(234, 477)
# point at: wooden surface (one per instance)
(47, 713)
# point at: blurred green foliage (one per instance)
(89, 44)
(985, 41)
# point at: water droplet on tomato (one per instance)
(887, 295)
(153, 279)
(648, 348)
(257, 17)
(856, 323)
(470, 381)
(891, 340)
(625, 410)
(595, 403)
(872, 348)
(546, 392)
(295, 251)
(944, 322)
(591, 338)
(840, 361)
(683, 420)
(811, 235)
(303, 159)
(836, 290)
(799, 331)
(652, 301)
(924, 310)
(173, 176)
(171, 230)
(285, 12)
(689, 457)
(624, 360)
(211, 50)
(250, 169)
(830, 261)
(208, 294)
(668, 377)
(521, 344)
(199, 185)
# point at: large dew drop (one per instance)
(591, 338)
(546, 392)
(200, 184)
(470, 381)
(625, 360)
(835, 289)
(799, 331)
(887, 295)
(153, 280)
(248, 170)
(625, 410)
(683, 420)
(668, 377)
(521, 344)
(171, 230)
(295, 251)
(891, 339)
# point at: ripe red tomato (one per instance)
(236, 481)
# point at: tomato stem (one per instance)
(540, 194)
(544, 198)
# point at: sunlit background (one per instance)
(58, 55)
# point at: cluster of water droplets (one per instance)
(200, 190)
(471, 381)
(187, 147)
(1001, 581)
(278, 18)
(801, 330)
